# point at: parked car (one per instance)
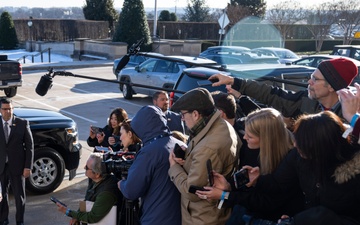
(352, 51)
(156, 72)
(133, 61)
(236, 55)
(284, 55)
(192, 77)
(314, 60)
(56, 148)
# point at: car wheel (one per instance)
(127, 91)
(10, 92)
(47, 173)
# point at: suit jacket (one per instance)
(174, 121)
(20, 146)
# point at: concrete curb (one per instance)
(66, 65)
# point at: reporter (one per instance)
(265, 132)
(326, 166)
(329, 77)
(106, 138)
(129, 140)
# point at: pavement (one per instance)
(66, 65)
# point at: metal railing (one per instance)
(35, 55)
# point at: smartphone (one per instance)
(55, 200)
(193, 189)
(241, 178)
(117, 138)
(101, 149)
(179, 152)
(204, 83)
(97, 130)
(210, 173)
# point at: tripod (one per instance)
(129, 212)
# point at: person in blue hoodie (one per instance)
(148, 175)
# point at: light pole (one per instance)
(30, 23)
(155, 20)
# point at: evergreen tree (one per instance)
(101, 10)
(133, 25)
(8, 37)
(173, 17)
(256, 7)
(164, 15)
(197, 11)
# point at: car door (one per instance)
(141, 75)
(161, 74)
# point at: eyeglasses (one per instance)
(87, 168)
(314, 79)
(183, 114)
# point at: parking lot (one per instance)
(88, 102)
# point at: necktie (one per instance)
(6, 131)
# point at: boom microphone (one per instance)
(44, 85)
(135, 48)
(122, 63)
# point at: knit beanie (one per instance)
(339, 73)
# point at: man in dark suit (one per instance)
(174, 122)
(16, 160)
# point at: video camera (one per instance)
(117, 163)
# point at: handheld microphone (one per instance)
(44, 85)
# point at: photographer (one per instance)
(109, 135)
(102, 190)
(147, 177)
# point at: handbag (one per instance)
(109, 219)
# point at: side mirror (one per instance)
(137, 68)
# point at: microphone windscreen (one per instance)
(44, 85)
(123, 61)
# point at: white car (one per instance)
(284, 55)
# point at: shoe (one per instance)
(20, 223)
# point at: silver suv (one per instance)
(156, 72)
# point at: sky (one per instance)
(117, 3)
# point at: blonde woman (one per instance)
(266, 133)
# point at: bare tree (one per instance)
(284, 15)
(348, 17)
(236, 13)
(319, 21)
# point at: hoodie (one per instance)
(147, 177)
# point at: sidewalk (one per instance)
(66, 65)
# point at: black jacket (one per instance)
(108, 131)
(339, 193)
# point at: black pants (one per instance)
(18, 189)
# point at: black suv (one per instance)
(56, 148)
(271, 74)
